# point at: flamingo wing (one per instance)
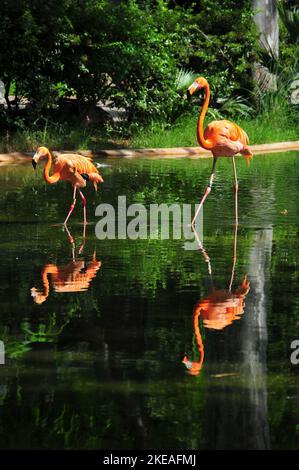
(227, 129)
(73, 166)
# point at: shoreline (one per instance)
(178, 152)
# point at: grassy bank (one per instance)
(264, 128)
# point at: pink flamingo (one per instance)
(223, 138)
(69, 167)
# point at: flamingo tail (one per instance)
(95, 178)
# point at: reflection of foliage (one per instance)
(45, 333)
(86, 398)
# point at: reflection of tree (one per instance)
(241, 421)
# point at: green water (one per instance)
(101, 368)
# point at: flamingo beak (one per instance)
(192, 88)
(35, 160)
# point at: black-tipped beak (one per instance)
(33, 163)
(192, 88)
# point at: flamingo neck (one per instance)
(45, 281)
(200, 134)
(56, 175)
(198, 337)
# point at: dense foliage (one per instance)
(127, 52)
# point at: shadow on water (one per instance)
(94, 330)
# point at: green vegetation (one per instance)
(183, 134)
(136, 55)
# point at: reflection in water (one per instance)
(73, 277)
(218, 310)
(241, 421)
(72, 380)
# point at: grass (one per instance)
(57, 137)
(265, 128)
(276, 122)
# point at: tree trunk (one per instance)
(266, 20)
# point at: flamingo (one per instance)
(223, 138)
(69, 167)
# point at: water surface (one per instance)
(93, 360)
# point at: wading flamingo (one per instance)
(223, 138)
(69, 167)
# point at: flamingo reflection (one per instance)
(75, 276)
(218, 310)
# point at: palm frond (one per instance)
(290, 18)
(236, 106)
(184, 78)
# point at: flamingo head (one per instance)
(40, 153)
(199, 83)
(38, 297)
(193, 368)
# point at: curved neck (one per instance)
(46, 270)
(200, 135)
(53, 178)
(198, 338)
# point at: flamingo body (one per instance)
(70, 167)
(227, 137)
(223, 138)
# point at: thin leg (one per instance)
(236, 191)
(72, 206)
(83, 240)
(72, 242)
(204, 253)
(207, 192)
(236, 225)
(84, 205)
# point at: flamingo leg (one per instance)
(236, 191)
(83, 240)
(72, 242)
(236, 226)
(84, 205)
(72, 206)
(204, 253)
(207, 192)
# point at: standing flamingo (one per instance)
(224, 139)
(69, 167)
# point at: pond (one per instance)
(95, 341)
